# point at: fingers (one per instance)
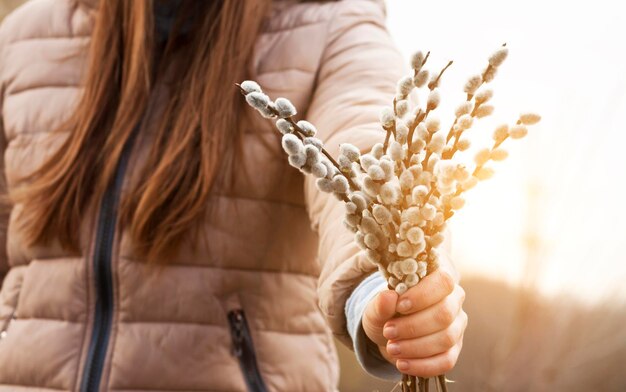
(428, 321)
(431, 290)
(433, 366)
(428, 346)
(380, 310)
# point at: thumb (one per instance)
(377, 313)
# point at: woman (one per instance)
(158, 239)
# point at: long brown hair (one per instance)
(196, 131)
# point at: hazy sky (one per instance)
(566, 62)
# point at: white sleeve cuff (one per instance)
(366, 351)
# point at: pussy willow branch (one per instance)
(451, 132)
(353, 186)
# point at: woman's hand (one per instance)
(421, 331)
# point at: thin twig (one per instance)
(432, 85)
(442, 382)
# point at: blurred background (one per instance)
(542, 245)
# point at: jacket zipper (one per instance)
(103, 278)
(243, 349)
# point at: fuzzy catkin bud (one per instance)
(483, 96)
(405, 85)
(387, 117)
(464, 108)
(402, 107)
(370, 187)
(292, 145)
(501, 133)
(297, 160)
(436, 240)
(314, 142)
(465, 121)
(359, 238)
(395, 151)
(408, 266)
(381, 214)
(372, 255)
(411, 280)
(499, 154)
(376, 173)
(484, 111)
(411, 216)
(350, 151)
(434, 98)
(402, 131)
(437, 143)
(406, 180)
(319, 170)
(284, 126)
(340, 184)
(324, 185)
(473, 84)
(419, 192)
(428, 211)
(313, 155)
(377, 150)
(415, 235)
(250, 86)
(461, 173)
(482, 156)
(359, 201)
(422, 132)
(417, 60)
(369, 225)
(367, 160)
(388, 193)
(330, 168)
(518, 131)
(484, 173)
(372, 241)
(439, 219)
(401, 288)
(433, 124)
(529, 118)
(469, 184)
(404, 249)
(352, 219)
(457, 203)
(422, 268)
(285, 108)
(498, 57)
(421, 78)
(258, 100)
(490, 74)
(307, 128)
(463, 144)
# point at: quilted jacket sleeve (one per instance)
(357, 77)
(4, 206)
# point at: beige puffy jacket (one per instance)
(255, 299)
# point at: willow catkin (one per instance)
(399, 195)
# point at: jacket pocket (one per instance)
(243, 349)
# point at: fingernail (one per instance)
(390, 332)
(404, 305)
(393, 348)
(402, 365)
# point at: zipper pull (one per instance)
(236, 323)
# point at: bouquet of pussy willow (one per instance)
(399, 195)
